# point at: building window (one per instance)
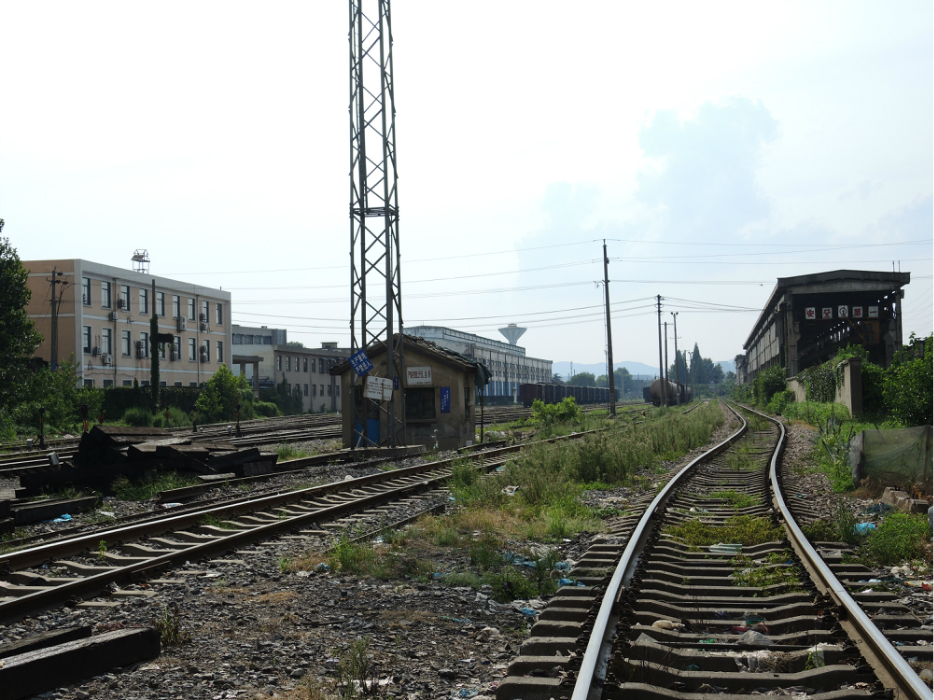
(144, 382)
(177, 347)
(219, 309)
(176, 306)
(194, 385)
(125, 343)
(163, 384)
(105, 295)
(125, 297)
(108, 383)
(191, 349)
(322, 389)
(160, 303)
(305, 367)
(178, 384)
(191, 309)
(144, 344)
(144, 301)
(86, 291)
(205, 350)
(329, 389)
(278, 363)
(220, 351)
(288, 364)
(420, 403)
(106, 341)
(204, 312)
(320, 365)
(127, 382)
(162, 351)
(314, 389)
(86, 338)
(88, 383)
(306, 390)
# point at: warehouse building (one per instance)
(808, 318)
(100, 315)
(265, 358)
(507, 362)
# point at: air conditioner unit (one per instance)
(122, 303)
(204, 326)
(84, 299)
(95, 350)
(203, 318)
(173, 355)
(205, 357)
(113, 316)
(140, 353)
(107, 359)
(181, 324)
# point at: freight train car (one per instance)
(555, 393)
(654, 393)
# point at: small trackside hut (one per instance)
(434, 393)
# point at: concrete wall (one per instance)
(849, 391)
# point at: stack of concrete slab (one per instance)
(107, 451)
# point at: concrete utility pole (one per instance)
(666, 351)
(609, 331)
(661, 364)
(56, 304)
(677, 357)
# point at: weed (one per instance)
(286, 452)
(169, 627)
(102, 550)
(900, 536)
(485, 553)
(750, 574)
(742, 529)
(736, 499)
(145, 488)
(355, 673)
(284, 564)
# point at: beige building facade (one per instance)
(103, 320)
(265, 358)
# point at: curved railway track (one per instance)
(658, 616)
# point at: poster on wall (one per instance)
(843, 312)
(873, 312)
(827, 314)
(418, 376)
(857, 312)
(810, 313)
(445, 399)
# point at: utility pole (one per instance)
(677, 357)
(56, 305)
(661, 365)
(666, 351)
(609, 331)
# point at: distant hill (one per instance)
(635, 368)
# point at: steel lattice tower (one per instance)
(375, 282)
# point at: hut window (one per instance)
(420, 403)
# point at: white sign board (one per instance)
(378, 388)
(418, 376)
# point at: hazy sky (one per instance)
(715, 145)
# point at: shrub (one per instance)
(565, 412)
(900, 536)
(140, 417)
(907, 387)
(780, 400)
(177, 419)
(265, 408)
(768, 383)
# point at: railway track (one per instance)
(665, 613)
(139, 551)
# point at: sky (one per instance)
(714, 146)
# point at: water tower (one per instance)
(512, 333)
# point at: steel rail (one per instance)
(627, 565)
(886, 661)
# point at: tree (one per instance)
(557, 378)
(218, 399)
(58, 392)
(294, 344)
(583, 379)
(907, 383)
(18, 336)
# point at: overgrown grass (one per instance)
(736, 499)
(900, 537)
(749, 573)
(742, 529)
(145, 488)
(287, 452)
